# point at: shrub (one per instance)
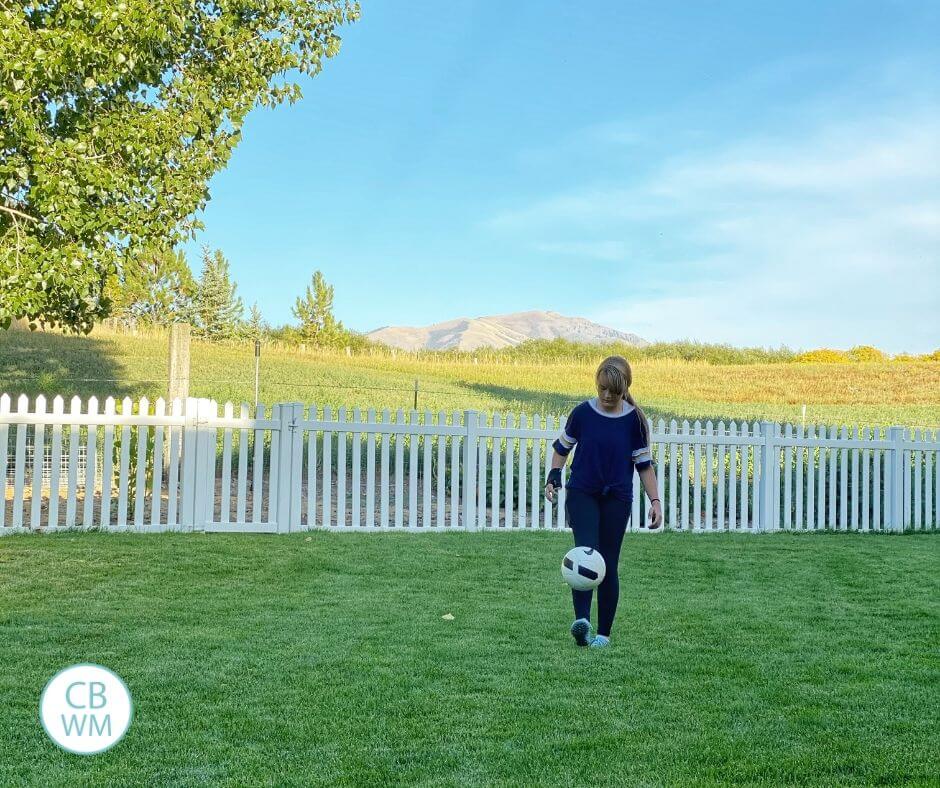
(866, 353)
(823, 356)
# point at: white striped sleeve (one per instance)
(565, 442)
(642, 457)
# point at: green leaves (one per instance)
(113, 119)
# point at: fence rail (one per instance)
(193, 465)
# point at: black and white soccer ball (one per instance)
(583, 568)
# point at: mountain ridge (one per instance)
(498, 331)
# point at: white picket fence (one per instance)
(189, 465)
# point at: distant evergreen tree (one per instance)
(314, 310)
(255, 327)
(217, 311)
(155, 286)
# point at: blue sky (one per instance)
(748, 172)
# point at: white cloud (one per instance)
(829, 238)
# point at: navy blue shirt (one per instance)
(610, 446)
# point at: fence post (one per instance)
(288, 467)
(471, 423)
(768, 458)
(197, 464)
(896, 478)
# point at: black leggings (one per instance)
(598, 521)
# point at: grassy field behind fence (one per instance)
(868, 394)
(323, 658)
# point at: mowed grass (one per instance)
(107, 364)
(324, 659)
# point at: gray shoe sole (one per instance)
(581, 631)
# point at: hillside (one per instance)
(866, 393)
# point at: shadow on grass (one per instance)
(561, 403)
(526, 400)
(34, 363)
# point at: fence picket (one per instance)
(821, 482)
(523, 451)
(936, 491)
(673, 513)
(742, 478)
(755, 478)
(341, 469)
(71, 504)
(876, 483)
(399, 472)
(496, 472)
(257, 476)
(455, 453)
(427, 452)
(918, 469)
(844, 483)
(107, 461)
(709, 485)
(546, 451)
(91, 467)
(52, 519)
(510, 471)
(798, 520)
(865, 524)
(383, 505)
(19, 463)
(140, 490)
(854, 491)
(906, 484)
(241, 495)
(684, 521)
(788, 480)
(39, 451)
(536, 467)
(172, 486)
(441, 487)
(371, 440)
(831, 521)
(4, 456)
(326, 491)
(413, 472)
(697, 470)
(930, 517)
(719, 475)
(225, 499)
(356, 515)
(156, 497)
(660, 465)
(733, 453)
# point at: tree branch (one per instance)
(15, 212)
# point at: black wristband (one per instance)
(653, 500)
(554, 478)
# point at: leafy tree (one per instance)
(314, 310)
(155, 286)
(216, 311)
(113, 118)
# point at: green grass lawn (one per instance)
(324, 658)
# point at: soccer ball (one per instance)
(583, 568)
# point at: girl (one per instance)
(613, 438)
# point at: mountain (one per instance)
(499, 331)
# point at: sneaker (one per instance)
(581, 632)
(600, 642)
